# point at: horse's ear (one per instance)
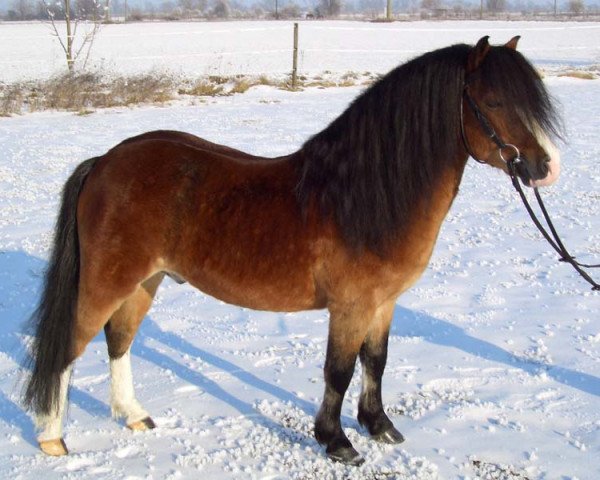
(512, 43)
(477, 54)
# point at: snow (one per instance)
(494, 356)
(28, 50)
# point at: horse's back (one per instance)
(191, 140)
(230, 226)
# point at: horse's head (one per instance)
(507, 113)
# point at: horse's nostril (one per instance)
(544, 167)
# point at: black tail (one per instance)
(54, 318)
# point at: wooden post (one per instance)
(295, 59)
(388, 11)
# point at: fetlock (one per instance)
(375, 422)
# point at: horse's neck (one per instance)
(447, 185)
(418, 238)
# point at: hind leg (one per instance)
(96, 303)
(87, 326)
(120, 331)
(50, 426)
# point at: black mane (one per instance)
(371, 165)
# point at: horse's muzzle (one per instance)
(539, 173)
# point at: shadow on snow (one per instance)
(409, 323)
(20, 278)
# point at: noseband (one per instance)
(511, 164)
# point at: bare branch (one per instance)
(67, 42)
(51, 15)
(75, 28)
(87, 56)
(85, 40)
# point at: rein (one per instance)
(554, 240)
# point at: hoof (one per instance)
(142, 425)
(55, 448)
(391, 436)
(346, 455)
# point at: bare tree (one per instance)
(167, 6)
(329, 8)
(458, 7)
(221, 9)
(431, 4)
(192, 7)
(23, 9)
(290, 10)
(496, 5)
(87, 9)
(73, 50)
(186, 7)
(576, 6)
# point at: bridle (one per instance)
(488, 129)
(511, 164)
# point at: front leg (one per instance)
(373, 357)
(346, 334)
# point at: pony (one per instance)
(347, 223)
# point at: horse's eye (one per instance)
(493, 104)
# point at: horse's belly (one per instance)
(258, 262)
(274, 289)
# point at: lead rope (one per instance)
(556, 243)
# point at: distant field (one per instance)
(29, 51)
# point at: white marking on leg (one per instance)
(122, 396)
(368, 384)
(50, 425)
(553, 164)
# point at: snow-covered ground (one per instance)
(494, 359)
(192, 49)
